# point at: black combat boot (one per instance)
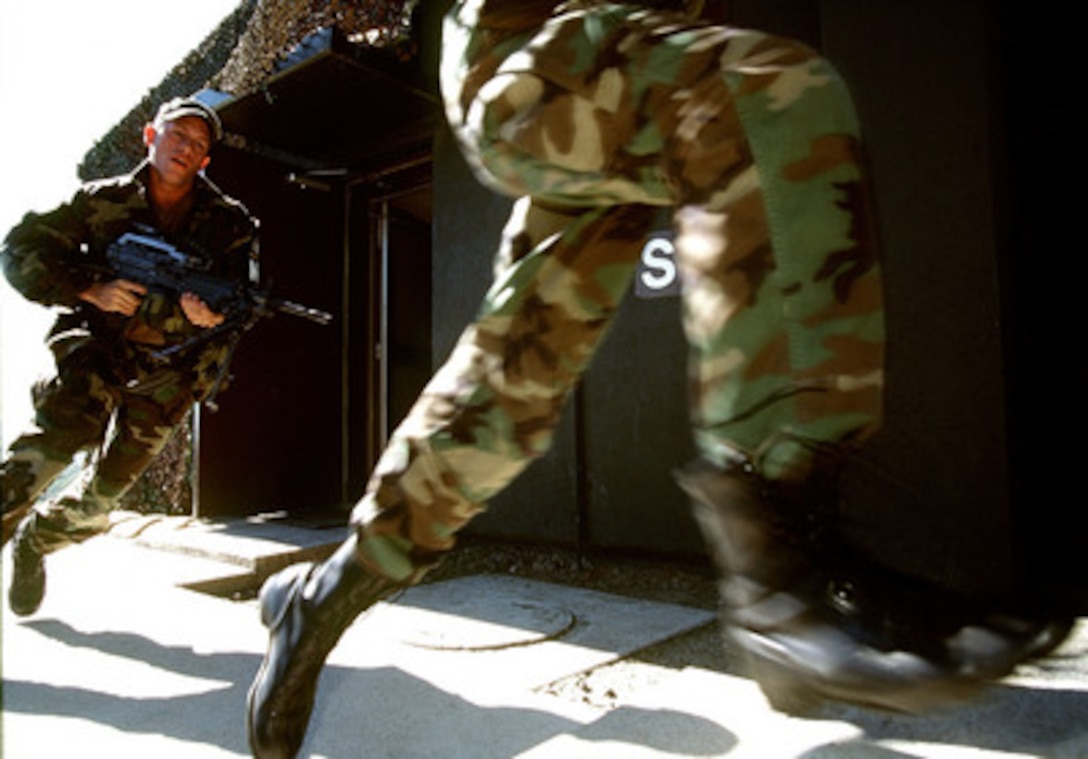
(28, 570)
(801, 647)
(306, 609)
(979, 637)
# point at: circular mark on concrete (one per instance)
(487, 624)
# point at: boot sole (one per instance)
(791, 689)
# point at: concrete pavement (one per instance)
(139, 651)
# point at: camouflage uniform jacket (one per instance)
(51, 257)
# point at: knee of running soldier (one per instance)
(495, 127)
(527, 137)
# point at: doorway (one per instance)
(389, 309)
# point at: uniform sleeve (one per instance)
(42, 256)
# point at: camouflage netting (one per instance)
(166, 487)
(278, 26)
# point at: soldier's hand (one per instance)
(119, 296)
(197, 311)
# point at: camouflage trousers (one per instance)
(595, 121)
(123, 413)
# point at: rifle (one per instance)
(160, 266)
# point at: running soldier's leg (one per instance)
(783, 310)
(72, 412)
(783, 301)
(149, 412)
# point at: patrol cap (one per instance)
(180, 107)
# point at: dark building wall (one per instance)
(932, 492)
(1041, 80)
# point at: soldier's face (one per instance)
(178, 149)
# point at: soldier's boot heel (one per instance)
(306, 609)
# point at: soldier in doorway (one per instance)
(594, 115)
(110, 395)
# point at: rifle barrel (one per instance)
(297, 309)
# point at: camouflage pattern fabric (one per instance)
(107, 381)
(596, 119)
